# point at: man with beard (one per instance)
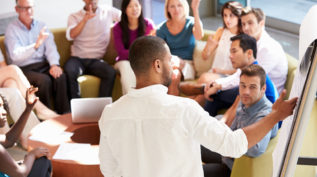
(150, 133)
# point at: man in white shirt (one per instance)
(150, 133)
(89, 28)
(270, 55)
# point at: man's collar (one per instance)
(149, 90)
(23, 26)
(253, 108)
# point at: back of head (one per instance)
(246, 42)
(256, 11)
(254, 70)
(144, 51)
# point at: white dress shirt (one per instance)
(272, 58)
(230, 81)
(93, 40)
(148, 133)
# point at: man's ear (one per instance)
(262, 22)
(157, 65)
(250, 53)
(263, 89)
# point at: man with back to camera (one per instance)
(250, 107)
(271, 55)
(31, 46)
(159, 134)
(89, 29)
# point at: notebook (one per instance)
(88, 109)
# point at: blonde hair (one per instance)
(183, 2)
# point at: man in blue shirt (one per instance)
(251, 106)
(31, 46)
(223, 91)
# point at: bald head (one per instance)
(144, 51)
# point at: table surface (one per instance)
(53, 132)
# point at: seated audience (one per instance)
(180, 31)
(35, 164)
(220, 43)
(222, 92)
(31, 47)
(252, 107)
(13, 84)
(89, 29)
(270, 55)
(157, 134)
(131, 26)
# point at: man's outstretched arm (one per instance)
(281, 109)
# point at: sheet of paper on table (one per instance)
(51, 138)
(77, 152)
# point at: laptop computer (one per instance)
(88, 109)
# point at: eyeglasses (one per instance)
(27, 8)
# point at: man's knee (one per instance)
(42, 167)
(71, 68)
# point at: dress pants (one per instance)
(76, 67)
(213, 165)
(39, 76)
(222, 100)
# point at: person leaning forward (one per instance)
(157, 133)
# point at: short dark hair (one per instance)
(246, 42)
(259, 14)
(144, 51)
(5, 103)
(254, 70)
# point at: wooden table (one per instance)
(82, 133)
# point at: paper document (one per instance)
(83, 153)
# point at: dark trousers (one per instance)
(42, 167)
(222, 100)
(39, 76)
(76, 67)
(213, 166)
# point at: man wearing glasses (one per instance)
(31, 46)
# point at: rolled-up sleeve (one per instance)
(51, 52)
(230, 81)
(16, 51)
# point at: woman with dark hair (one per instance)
(231, 12)
(131, 26)
(220, 44)
(35, 164)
